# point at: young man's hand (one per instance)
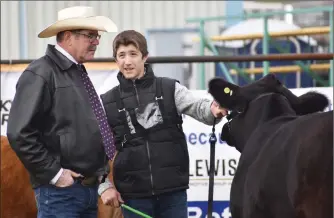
(111, 197)
(218, 111)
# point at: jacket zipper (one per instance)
(150, 166)
(147, 145)
(134, 85)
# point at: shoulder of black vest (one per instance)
(168, 82)
(109, 96)
(168, 86)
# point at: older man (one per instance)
(56, 124)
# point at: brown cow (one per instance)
(17, 196)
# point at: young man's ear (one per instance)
(145, 57)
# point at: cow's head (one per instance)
(258, 102)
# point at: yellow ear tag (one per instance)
(227, 90)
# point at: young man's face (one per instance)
(130, 61)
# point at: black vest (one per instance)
(152, 150)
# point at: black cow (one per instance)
(286, 144)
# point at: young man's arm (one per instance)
(188, 103)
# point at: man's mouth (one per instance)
(128, 69)
(92, 48)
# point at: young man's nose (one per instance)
(127, 60)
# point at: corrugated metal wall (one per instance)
(10, 43)
(138, 15)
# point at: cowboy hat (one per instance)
(78, 17)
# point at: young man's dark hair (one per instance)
(130, 37)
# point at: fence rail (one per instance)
(201, 59)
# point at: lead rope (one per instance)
(213, 140)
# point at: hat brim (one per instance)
(99, 23)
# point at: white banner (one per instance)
(102, 80)
(197, 135)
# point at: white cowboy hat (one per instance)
(78, 17)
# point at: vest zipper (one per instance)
(134, 85)
(147, 147)
(149, 163)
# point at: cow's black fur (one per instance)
(286, 163)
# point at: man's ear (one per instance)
(225, 93)
(145, 58)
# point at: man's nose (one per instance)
(96, 42)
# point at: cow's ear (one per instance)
(225, 93)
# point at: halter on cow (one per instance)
(286, 163)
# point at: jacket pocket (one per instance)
(66, 141)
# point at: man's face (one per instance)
(83, 44)
(130, 61)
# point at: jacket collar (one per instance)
(65, 53)
(145, 81)
(61, 60)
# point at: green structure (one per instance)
(205, 43)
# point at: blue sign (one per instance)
(199, 209)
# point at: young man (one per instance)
(151, 168)
(55, 125)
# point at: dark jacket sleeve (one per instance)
(32, 100)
